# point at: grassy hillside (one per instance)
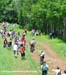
(56, 44)
(8, 62)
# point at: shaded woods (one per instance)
(46, 15)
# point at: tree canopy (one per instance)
(46, 15)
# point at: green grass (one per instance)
(59, 47)
(8, 62)
(56, 44)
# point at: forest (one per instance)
(45, 15)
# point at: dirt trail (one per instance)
(52, 58)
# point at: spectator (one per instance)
(51, 35)
(10, 43)
(5, 43)
(57, 71)
(23, 41)
(15, 49)
(22, 51)
(33, 32)
(25, 30)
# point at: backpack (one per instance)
(44, 67)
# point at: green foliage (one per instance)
(46, 15)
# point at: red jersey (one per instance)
(22, 50)
(23, 41)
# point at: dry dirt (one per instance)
(52, 59)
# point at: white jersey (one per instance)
(57, 71)
(1, 30)
(15, 47)
(42, 54)
(24, 33)
(10, 32)
(32, 42)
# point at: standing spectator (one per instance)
(15, 49)
(19, 44)
(5, 43)
(13, 34)
(10, 33)
(51, 35)
(44, 68)
(1, 31)
(16, 41)
(19, 36)
(4, 24)
(10, 43)
(33, 32)
(3, 34)
(23, 34)
(23, 40)
(57, 71)
(22, 51)
(25, 30)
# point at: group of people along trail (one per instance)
(17, 42)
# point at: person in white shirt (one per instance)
(42, 57)
(32, 41)
(32, 45)
(19, 44)
(57, 71)
(15, 49)
(33, 32)
(1, 31)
